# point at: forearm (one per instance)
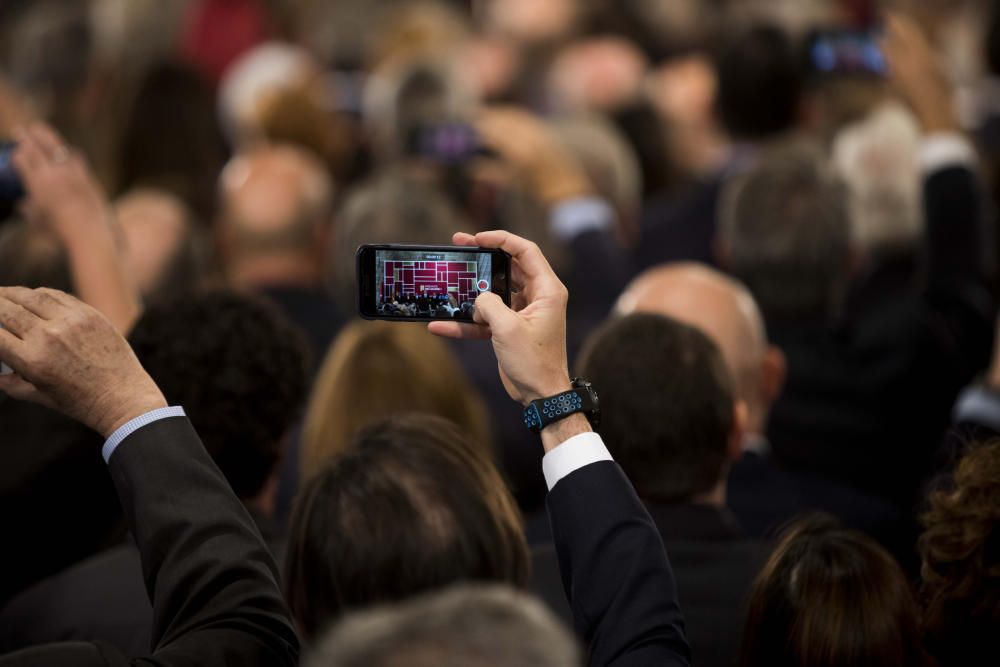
(212, 582)
(953, 206)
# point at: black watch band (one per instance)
(581, 398)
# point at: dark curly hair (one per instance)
(237, 367)
(960, 550)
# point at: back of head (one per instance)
(163, 249)
(759, 82)
(829, 597)
(378, 369)
(393, 207)
(666, 404)
(410, 506)
(463, 627)
(238, 369)
(276, 199)
(877, 159)
(715, 304)
(784, 231)
(960, 549)
(32, 257)
(606, 156)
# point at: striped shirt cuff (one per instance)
(579, 451)
(130, 427)
(573, 217)
(946, 149)
(979, 406)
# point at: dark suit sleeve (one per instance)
(213, 583)
(615, 570)
(958, 249)
(598, 271)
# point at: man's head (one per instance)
(162, 249)
(759, 83)
(409, 506)
(31, 256)
(238, 369)
(667, 408)
(784, 231)
(725, 311)
(276, 210)
(465, 626)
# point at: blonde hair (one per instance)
(375, 370)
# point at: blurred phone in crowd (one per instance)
(425, 283)
(448, 144)
(11, 189)
(846, 53)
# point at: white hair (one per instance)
(877, 160)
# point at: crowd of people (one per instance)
(760, 233)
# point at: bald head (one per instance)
(157, 229)
(273, 199)
(725, 311)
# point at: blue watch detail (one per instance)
(542, 412)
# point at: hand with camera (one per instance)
(524, 141)
(917, 75)
(529, 338)
(63, 197)
(67, 356)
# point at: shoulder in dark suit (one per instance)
(212, 581)
(715, 565)
(867, 401)
(615, 571)
(100, 599)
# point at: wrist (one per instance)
(559, 432)
(126, 411)
(552, 386)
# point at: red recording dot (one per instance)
(483, 285)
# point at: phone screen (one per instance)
(427, 283)
(847, 53)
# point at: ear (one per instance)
(738, 431)
(772, 375)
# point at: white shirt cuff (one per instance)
(130, 427)
(579, 451)
(979, 405)
(946, 149)
(575, 216)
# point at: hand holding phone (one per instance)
(427, 283)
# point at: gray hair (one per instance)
(785, 231)
(464, 626)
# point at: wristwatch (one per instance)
(581, 398)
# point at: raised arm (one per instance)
(614, 567)
(64, 197)
(213, 584)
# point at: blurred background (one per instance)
(254, 144)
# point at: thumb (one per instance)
(494, 313)
(20, 389)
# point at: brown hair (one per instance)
(406, 508)
(829, 597)
(378, 369)
(960, 550)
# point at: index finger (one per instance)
(47, 139)
(42, 303)
(526, 253)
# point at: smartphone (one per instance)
(450, 143)
(846, 52)
(425, 283)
